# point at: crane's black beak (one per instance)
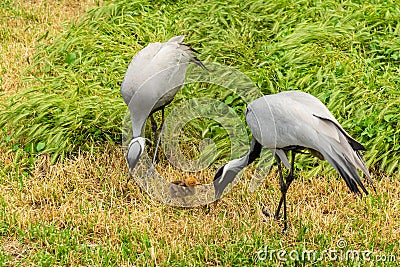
(135, 150)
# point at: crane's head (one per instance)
(135, 150)
(224, 176)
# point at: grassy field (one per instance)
(65, 196)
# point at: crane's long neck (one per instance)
(227, 173)
(140, 108)
(137, 125)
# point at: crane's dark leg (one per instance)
(283, 192)
(158, 140)
(153, 128)
(162, 119)
(289, 180)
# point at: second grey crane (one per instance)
(295, 121)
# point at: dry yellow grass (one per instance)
(92, 194)
(22, 28)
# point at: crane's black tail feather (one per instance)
(193, 58)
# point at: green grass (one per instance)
(347, 54)
(83, 210)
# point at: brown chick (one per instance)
(188, 182)
(187, 187)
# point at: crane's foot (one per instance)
(266, 213)
(276, 217)
(284, 230)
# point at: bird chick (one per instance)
(188, 182)
(186, 187)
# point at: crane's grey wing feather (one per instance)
(328, 126)
(345, 160)
(317, 108)
(132, 78)
(334, 143)
(298, 119)
(177, 39)
(354, 144)
(343, 152)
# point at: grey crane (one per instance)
(151, 82)
(296, 121)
